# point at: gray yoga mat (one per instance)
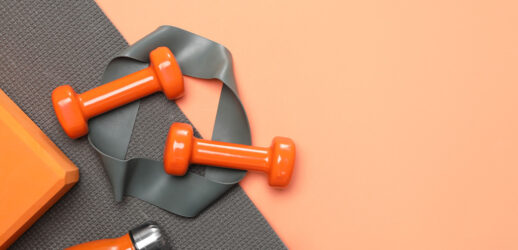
(44, 44)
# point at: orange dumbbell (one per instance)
(73, 110)
(182, 148)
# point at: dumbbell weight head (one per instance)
(68, 111)
(282, 162)
(178, 149)
(168, 72)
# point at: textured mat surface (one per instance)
(44, 44)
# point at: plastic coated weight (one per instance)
(182, 149)
(73, 110)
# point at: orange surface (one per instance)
(403, 113)
(34, 173)
(122, 243)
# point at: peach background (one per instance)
(404, 113)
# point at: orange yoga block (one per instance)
(34, 173)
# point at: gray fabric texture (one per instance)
(44, 44)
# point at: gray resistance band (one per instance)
(145, 179)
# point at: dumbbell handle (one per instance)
(119, 92)
(231, 155)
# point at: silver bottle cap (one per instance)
(148, 237)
